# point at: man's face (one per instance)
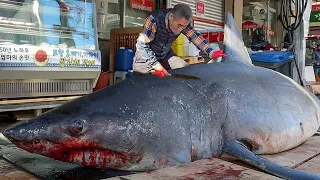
(177, 25)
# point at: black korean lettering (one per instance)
(14, 57)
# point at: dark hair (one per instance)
(182, 11)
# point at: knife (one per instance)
(183, 76)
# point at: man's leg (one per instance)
(140, 66)
(171, 61)
(177, 62)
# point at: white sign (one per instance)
(36, 56)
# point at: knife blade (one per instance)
(183, 76)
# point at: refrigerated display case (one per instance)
(48, 48)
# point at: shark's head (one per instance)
(78, 134)
(115, 128)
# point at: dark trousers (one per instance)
(164, 62)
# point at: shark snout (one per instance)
(14, 134)
(9, 133)
(22, 132)
(28, 139)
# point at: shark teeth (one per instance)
(97, 158)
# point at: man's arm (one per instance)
(196, 38)
(145, 37)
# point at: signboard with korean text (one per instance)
(200, 8)
(144, 5)
(35, 56)
(315, 14)
(270, 32)
(212, 37)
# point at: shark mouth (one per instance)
(101, 158)
(86, 154)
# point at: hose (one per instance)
(285, 18)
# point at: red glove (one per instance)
(160, 74)
(217, 54)
(160, 71)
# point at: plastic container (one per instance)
(178, 49)
(129, 74)
(193, 51)
(179, 40)
(102, 81)
(177, 46)
(185, 50)
(285, 67)
(120, 75)
(190, 50)
(124, 59)
(272, 56)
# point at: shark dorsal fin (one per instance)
(234, 47)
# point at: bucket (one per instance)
(102, 81)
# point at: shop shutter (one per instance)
(214, 13)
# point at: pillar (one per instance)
(235, 7)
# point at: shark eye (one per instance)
(77, 126)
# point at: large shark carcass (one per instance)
(146, 123)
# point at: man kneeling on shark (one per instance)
(160, 30)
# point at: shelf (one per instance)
(5, 4)
(27, 29)
(28, 7)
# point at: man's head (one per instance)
(179, 18)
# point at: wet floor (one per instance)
(86, 173)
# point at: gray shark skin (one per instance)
(146, 123)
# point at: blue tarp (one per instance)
(272, 56)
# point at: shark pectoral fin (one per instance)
(240, 151)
